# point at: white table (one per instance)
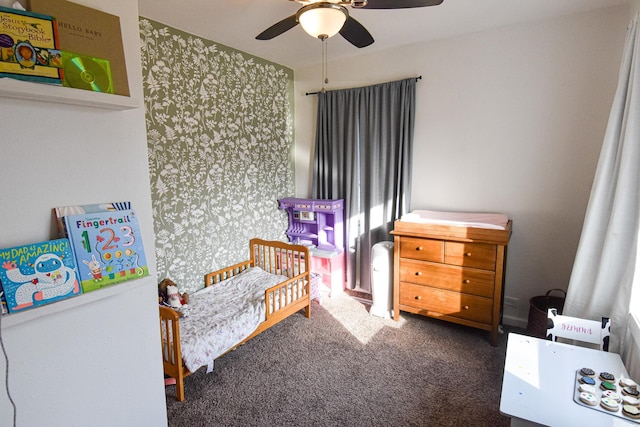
(539, 382)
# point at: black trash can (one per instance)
(538, 308)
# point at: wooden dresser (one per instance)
(451, 273)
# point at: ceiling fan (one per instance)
(324, 19)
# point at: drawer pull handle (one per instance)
(419, 248)
(418, 273)
(466, 307)
(418, 297)
(467, 254)
(466, 281)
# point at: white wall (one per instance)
(85, 361)
(509, 120)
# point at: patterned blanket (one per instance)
(222, 315)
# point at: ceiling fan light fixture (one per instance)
(322, 20)
(359, 3)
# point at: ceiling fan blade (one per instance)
(355, 33)
(399, 4)
(278, 28)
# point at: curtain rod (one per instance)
(315, 93)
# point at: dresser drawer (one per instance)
(453, 278)
(476, 255)
(469, 307)
(424, 249)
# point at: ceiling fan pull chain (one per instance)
(325, 79)
(324, 61)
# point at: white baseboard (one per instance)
(517, 322)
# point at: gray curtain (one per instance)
(364, 140)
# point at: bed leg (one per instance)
(307, 310)
(180, 389)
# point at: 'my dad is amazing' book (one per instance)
(107, 247)
(37, 274)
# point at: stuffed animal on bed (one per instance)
(169, 295)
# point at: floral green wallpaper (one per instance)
(220, 142)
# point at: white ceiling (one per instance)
(235, 23)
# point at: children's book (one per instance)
(29, 47)
(3, 303)
(63, 211)
(38, 274)
(107, 246)
(92, 35)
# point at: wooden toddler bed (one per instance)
(277, 280)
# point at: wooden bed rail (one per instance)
(279, 257)
(171, 352)
(226, 273)
(284, 294)
(285, 299)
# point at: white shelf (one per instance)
(19, 89)
(14, 319)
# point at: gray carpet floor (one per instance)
(344, 367)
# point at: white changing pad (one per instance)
(493, 221)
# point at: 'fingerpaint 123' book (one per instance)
(107, 247)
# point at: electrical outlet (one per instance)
(511, 302)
